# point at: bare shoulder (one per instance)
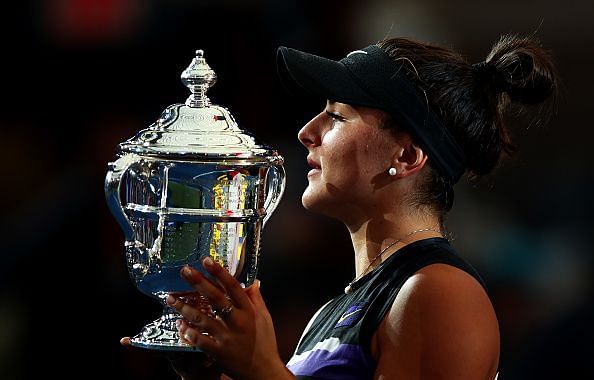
(441, 325)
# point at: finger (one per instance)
(254, 295)
(232, 286)
(181, 330)
(196, 338)
(125, 341)
(205, 287)
(195, 317)
(182, 327)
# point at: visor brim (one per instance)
(304, 73)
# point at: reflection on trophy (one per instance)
(191, 185)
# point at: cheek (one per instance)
(379, 148)
(341, 165)
(362, 155)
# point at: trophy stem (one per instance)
(170, 315)
(162, 334)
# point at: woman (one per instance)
(404, 120)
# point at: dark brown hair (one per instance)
(471, 100)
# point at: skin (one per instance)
(440, 326)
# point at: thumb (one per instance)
(125, 341)
(253, 293)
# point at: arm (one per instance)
(441, 326)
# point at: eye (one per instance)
(335, 117)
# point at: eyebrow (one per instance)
(331, 103)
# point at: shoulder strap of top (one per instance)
(309, 325)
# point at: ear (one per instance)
(409, 159)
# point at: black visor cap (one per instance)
(369, 77)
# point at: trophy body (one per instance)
(192, 185)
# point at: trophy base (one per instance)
(159, 336)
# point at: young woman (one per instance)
(404, 120)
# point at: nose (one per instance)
(310, 135)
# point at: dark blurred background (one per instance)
(81, 76)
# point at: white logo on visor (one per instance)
(356, 52)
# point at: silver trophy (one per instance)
(191, 185)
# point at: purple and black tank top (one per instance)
(336, 343)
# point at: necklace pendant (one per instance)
(348, 289)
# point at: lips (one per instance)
(315, 167)
(312, 163)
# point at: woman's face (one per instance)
(350, 157)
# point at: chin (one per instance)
(315, 202)
(308, 200)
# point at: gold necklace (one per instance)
(349, 288)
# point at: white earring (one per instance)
(392, 171)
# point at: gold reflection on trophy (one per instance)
(227, 244)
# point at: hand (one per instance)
(240, 337)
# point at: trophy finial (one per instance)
(198, 77)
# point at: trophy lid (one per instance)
(198, 130)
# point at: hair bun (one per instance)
(486, 73)
(524, 70)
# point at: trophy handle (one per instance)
(113, 180)
(275, 189)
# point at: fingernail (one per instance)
(258, 283)
(170, 300)
(178, 323)
(208, 263)
(187, 271)
(188, 336)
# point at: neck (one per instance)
(379, 233)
